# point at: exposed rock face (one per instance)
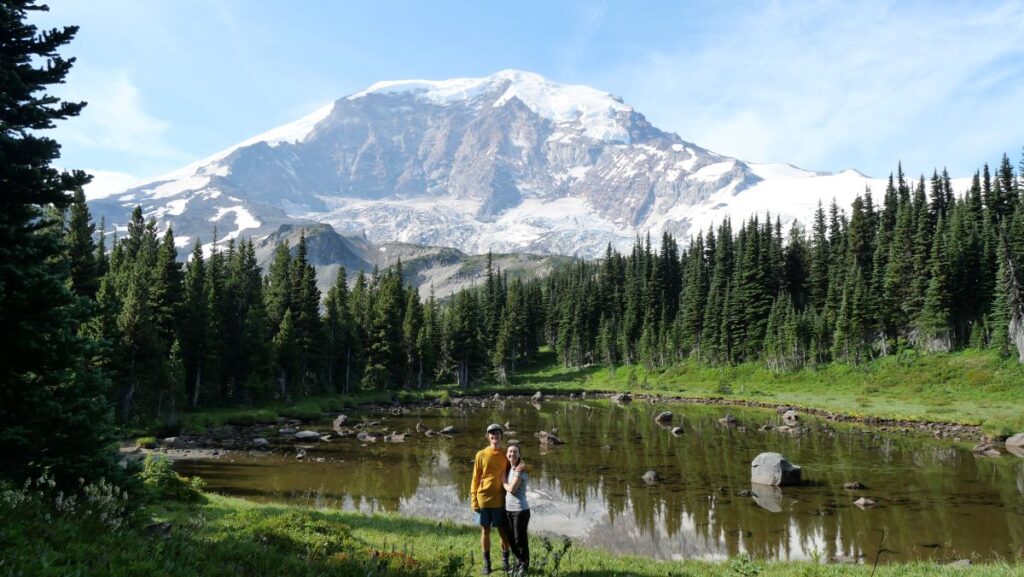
(774, 469)
(465, 163)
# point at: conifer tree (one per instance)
(53, 415)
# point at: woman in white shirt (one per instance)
(517, 510)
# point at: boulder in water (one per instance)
(774, 469)
(538, 397)
(663, 417)
(650, 477)
(790, 417)
(307, 436)
(865, 503)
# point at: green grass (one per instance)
(229, 536)
(969, 387)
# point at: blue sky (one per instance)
(822, 85)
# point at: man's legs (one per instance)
(485, 546)
(503, 533)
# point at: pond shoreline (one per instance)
(227, 439)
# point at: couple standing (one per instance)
(498, 495)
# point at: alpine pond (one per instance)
(934, 499)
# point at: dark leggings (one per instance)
(516, 524)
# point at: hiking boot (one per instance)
(487, 566)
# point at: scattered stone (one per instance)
(496, 397)
(160, 530)
(554, 430)
(784, 429)
(366, 437)
(774, 469)
(854, 486)
(790, 417)
(449, 430)
(287, 431)
(741, 429)
(583, 394)
(174, 443)
(325, 438)
(865, 503)
(622, 398)
(339, 422)
(986, 449)
(420, 428)
(395, 437)
(547, 438)
(677, 431)
(651, 477)
(728, 420)
(260, 443)
(307, 436)
(766, 428)
(538, 397)
(663, 417)
(1016, 441)
(300, 454)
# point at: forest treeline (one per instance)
(922, 269)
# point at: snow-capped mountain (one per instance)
(512, 162)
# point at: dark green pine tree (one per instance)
(53, 414)
(286, 356)
(819, 269)
(428, 342)
(194, 325)
(338, 335)
(935, 320)
(412, 325)
(305, 305)
(81, 248)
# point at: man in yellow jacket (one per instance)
(488, 495)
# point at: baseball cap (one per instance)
(494, 427)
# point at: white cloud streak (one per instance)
(812, 83)
(115, 119)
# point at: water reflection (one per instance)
(935, 501)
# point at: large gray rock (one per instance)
(774, 469)
(307, 436)
(1016, 441)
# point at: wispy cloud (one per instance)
(812, 83)
(115, 119)
(588, 22)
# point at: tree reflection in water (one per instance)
(935, 501)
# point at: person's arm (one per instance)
(513, 482)
(475, 484)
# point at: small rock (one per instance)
(766, 428)
(395, 437)
(650, 477)
(784, 429)
(325, 438)
(300, 454)
(728, 420)
(449, 430)
(622, 398)
(547, 438)
(960, 563)
(287, 431)
(307, 436)
(420, 428)
(260, 443)
(854, 486)
(538, 396)
(161, 530)
(744, 493)
(339, 421)
(583, 394)
(790, 417)
(663, 417)
(865, 503)
(677, 431)
(496, 397)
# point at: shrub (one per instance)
(146, 442)
(159, 476)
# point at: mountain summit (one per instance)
(512, 162)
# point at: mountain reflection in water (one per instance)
(936, 501)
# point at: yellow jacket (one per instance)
(489, 468)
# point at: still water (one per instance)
(935, 500)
